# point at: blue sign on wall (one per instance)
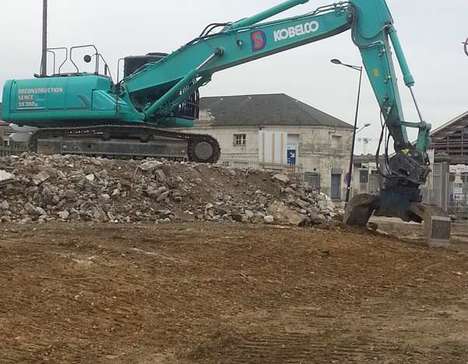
(292, 157)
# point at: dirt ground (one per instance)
(227, 294)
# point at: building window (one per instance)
(363, 176)
(240, 140)
(336, 141)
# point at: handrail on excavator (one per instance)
(267, 13)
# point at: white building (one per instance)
(366, 176)
(276, 131)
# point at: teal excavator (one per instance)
(89, 113)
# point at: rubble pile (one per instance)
(37, 188)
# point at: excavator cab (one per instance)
(188, 110)
(133, 64)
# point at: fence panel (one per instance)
(437, 189)
(12, 149)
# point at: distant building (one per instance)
(449, 184)
(451, 140)
(4, 129)
(366, 176)
(278, 132)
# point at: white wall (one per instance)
(321, 150)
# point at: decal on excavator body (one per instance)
(258, 40)
(298, 30)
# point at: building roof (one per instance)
(451, 140)
(449, 127)
(266, 110)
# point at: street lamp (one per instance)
(362, 128)
(351, 161)
(44, 39)
(465, 43)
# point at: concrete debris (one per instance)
(287, 216)
(249, 214)
(281, 178)
(40, 178)
(64, 215)
(76, 188)
(5, 177)
(150, 165)
(4, 205)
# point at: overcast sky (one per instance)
(431, 33)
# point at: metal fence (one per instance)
(458, 195)
(458, 207)
(12, 149)
(448, 189)
(436, 190)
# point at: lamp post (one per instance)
(466, 46)
(351, 161)
(44, 39)
(362, 128)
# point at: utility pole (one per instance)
(44, 39)
(349, 176)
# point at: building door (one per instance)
(336, 187)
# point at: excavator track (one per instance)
(126, 141)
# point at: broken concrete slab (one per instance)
(5, 177)
(281, 178)
(285, 215)
(437, 227)
(40, 178)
